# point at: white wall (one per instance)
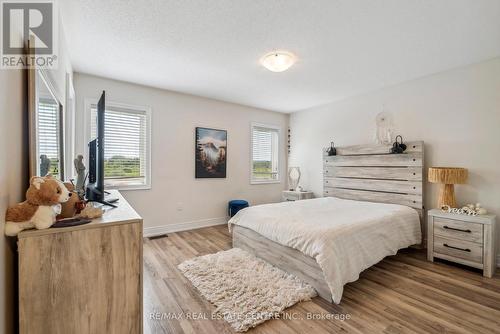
(13, 180)
(174, 118)
(58, 79)
(456, 113)
(57, 76)
(14, 165)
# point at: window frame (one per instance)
(59, 140)
(253, 125)
(34, 129)
(88, 130)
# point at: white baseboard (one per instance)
(178, 227)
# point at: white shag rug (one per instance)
(245, 289)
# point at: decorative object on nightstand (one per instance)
(464, 239)
(293, 178)
(447, 177)
(290, 196)
(469, 209)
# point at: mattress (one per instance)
(345, 237)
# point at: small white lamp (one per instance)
(293, 177)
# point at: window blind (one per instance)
(125, 146)
(264, 154)
(48, 129)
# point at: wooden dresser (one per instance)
(468, 240)
(83, 279)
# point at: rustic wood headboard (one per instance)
(371, 173)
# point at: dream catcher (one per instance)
(385, 128)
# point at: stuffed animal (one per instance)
(91, 212)
(43, 203)
(69, 208)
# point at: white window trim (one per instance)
(269, 126)
(88, 102)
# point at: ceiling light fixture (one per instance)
(278, 61)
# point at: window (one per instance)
(48, 135)
(126, 145)
(265, 154)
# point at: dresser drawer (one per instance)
(466, 250)
(457, 229)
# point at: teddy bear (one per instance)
(43, 202)
(69, 208)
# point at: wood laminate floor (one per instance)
(401, 294)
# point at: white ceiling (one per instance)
(212, 47)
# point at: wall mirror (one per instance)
(46, 127)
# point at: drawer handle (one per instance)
(456, 229)
(462, 249)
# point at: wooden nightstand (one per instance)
(296, 195)
(468, 240)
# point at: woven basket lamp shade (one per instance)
(447, 177)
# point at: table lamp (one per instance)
(293, 178)
(447, 177)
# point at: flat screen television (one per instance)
(95, 188)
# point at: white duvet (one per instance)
(345, 237)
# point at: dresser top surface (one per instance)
(484, 219)
(122, 214)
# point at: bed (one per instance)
(372, 206)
